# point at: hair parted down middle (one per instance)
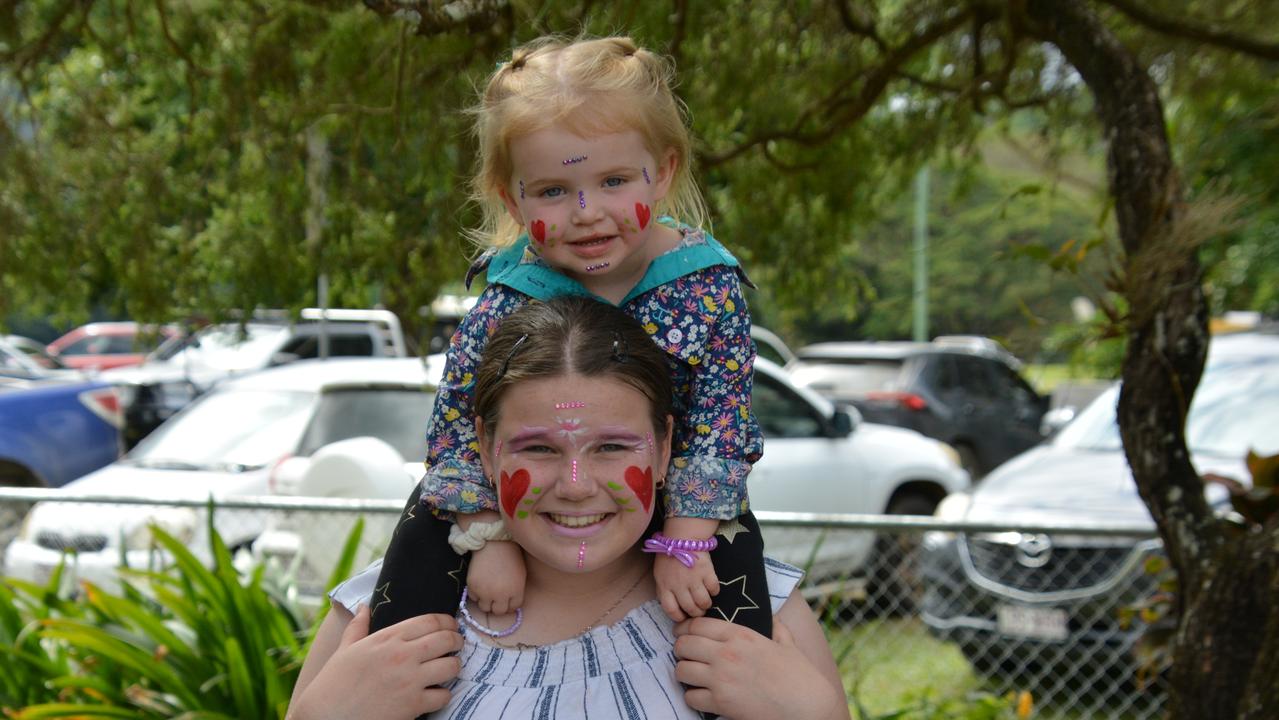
(591, 87)
(566, 335)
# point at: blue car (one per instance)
(54, 431)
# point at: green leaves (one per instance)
(190, 642)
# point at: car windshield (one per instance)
(1234, 410)
(396, 415)
(227, 347)
(847, 375)
(231, 429)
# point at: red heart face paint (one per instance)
(538, 229)
(641, 482)
(642, 213)
(512, 489)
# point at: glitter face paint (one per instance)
(647, 436)
(575, 404)
(597, 266)
(581, 555)
(499, 446)
(575, 159)
(581, 198)
(574, 470)
(522, 185)
(646, 181)
(570, 429)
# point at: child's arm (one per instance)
(495, 579)
(454, 485)
(686, 592)
(454, 480)
(716, 442)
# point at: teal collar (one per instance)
(519, 268)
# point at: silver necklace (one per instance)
(583, 631)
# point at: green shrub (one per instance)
(188, 641)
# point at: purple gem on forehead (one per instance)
(575, 159)
(581, 199)
(646, 180)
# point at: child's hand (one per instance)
(683, 591)
(495, 579)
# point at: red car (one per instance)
(104, 345)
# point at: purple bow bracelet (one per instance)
(681, 550)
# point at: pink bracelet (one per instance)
(679, 549)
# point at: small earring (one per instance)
(661, 482)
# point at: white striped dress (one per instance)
(625, 671)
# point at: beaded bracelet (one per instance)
(679, 548)
(466, 615)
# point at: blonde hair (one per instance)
(592, 87)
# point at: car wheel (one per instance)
(893, 579)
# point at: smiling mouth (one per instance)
(576, 521)
(592, 242)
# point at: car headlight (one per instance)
(178, 522)
(952, 508)
(951, 454)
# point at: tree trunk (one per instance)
(1227, 639)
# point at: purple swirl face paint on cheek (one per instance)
(646, 180)
(581, 199)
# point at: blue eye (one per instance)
(614, 182)
(552, 192)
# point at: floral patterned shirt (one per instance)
(690, 302)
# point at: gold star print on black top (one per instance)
(733, 599)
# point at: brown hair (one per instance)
(591, 86)
(571, 334)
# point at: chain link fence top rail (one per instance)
(916, 609)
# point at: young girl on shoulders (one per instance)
(584, 177)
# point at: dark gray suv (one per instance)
(965, 391)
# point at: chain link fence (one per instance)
(914, 608)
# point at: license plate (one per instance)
(1032, 622)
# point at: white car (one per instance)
(817, 459)
(237, 440)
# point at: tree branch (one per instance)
(1208, 33)
(680, 21)
(433, 18)
(845, 109)
(864, 27)
(176, 47)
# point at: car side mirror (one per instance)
(1056, 419)
(843, 422)
(283, 358)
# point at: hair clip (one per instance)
(621, 348)
(511, 354)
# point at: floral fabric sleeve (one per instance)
(454, 480)
(702, 321)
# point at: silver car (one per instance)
(1027, 601)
